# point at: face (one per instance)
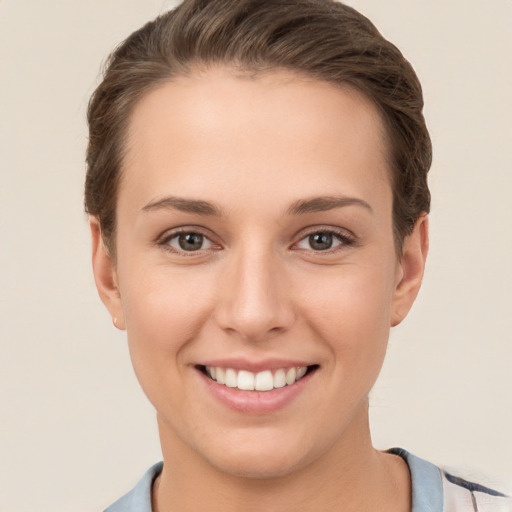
(255, 245)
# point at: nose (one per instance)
(255, 301)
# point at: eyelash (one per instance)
(345, 240)
(164, 242)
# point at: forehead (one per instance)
(276, 133)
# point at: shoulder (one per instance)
(139, 498)
(435, 490)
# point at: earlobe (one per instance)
(105, 275)
(411, 266)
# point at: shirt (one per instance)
(433, 490)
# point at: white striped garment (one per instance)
(435, 490)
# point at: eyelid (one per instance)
(345, 237)
(164, 240)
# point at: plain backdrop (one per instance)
(75, 430)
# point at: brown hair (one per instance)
(323, 39)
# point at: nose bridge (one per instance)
(254, 302)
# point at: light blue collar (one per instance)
(427, 487)
(427, 483)
(139, 498)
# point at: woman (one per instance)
(258, 199)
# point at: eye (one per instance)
(323, 241)
(188, 241)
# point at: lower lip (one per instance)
(255, 402)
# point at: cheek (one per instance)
(351, 314)
(160, 300)
(164, 312)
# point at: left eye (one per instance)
(189, 242)
(320, 241)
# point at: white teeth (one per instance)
(264, 381)
(291, 375)
(220, 376)
(279, 379)
(300, 372)
(231, 378)
(261, 381)
(245, 380)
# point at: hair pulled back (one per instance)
(322, 39)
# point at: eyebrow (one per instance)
(299, 207)
(196, 206)
(325, 203)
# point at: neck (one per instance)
(352, 476)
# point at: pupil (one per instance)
(321, 241)
(190, 241)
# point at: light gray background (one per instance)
(75, 430)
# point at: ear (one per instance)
(410, 270)
(105, 275)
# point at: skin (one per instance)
(254, 147)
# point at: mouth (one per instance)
(266, 380)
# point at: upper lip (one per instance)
(255, 365)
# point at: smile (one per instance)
(266, 380)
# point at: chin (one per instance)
(261, 466)
(260, 460)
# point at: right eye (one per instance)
(321, 241)
(325, 241)
(188, 241)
